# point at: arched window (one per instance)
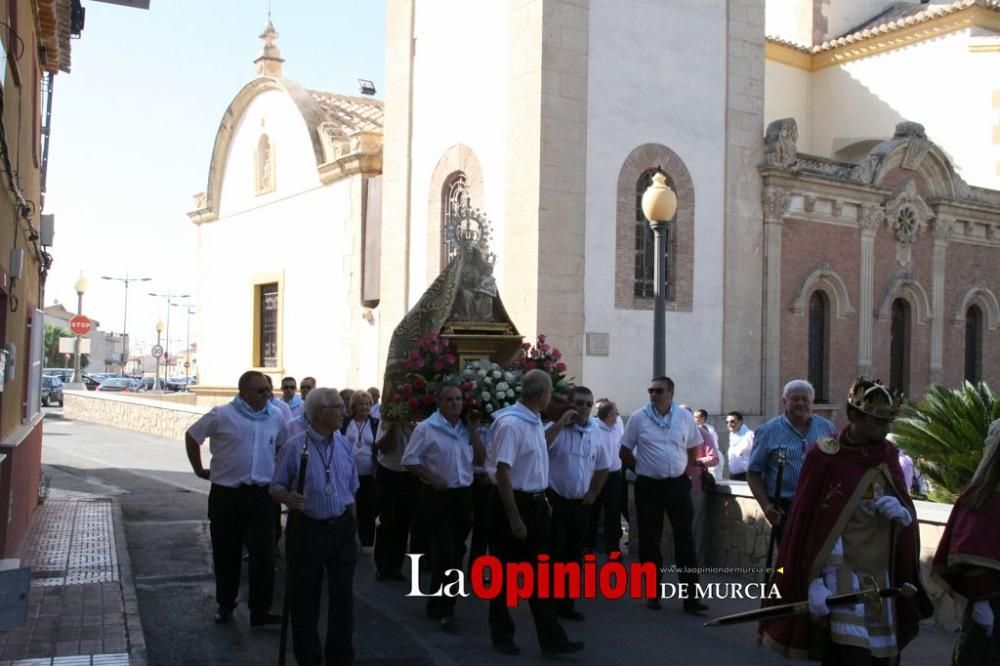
(819, 318)
(973, 344)
(454, 197)
(899, 346)
(645, 244)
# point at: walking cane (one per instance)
(775, 500)
(291, 539)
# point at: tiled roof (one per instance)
(351, 114)
(897, 17)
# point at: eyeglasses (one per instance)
(655, 391)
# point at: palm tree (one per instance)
(944, 435)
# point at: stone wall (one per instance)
(156, 417)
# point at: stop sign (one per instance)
(79, 325)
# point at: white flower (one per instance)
(497, 374)
(517, 388)
(502, 386)
(510, 393)
(487, 380)
(481, 373)
(489, 408)
(485, 395)
(509, 376)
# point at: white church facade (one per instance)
(550, 115)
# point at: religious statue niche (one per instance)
(462, 304)
(264, 166)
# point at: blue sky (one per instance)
(133, 127)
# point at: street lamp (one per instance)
(126, 281)
(659, 204)
(187, 343)
(157, 386)
(81, 288)
(169, 296)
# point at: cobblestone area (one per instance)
(76, 606)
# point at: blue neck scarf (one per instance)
(439, 422)
(654, 416)
(296, 401)
(583, 430)
(247, 411)
(520, 411)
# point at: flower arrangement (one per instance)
(543, 356)
(490, 386)
(430, 362)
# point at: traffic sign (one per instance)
(187, 364)
(80, 325)
(157, 351)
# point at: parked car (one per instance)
(178, 383)
(119, 385)
(91, 381)
(65, 374)
(52, 390)
(146, 383)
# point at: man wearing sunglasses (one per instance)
(661, 441)
(578, 468)
(244, 437)
(294, 402)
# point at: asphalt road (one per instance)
(166, 526)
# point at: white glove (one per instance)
(982, 615)
(893, 509)
(818, 594)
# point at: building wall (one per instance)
(970, 265)
(788, 94)
(317, 267)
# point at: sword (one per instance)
(871, 594)
(292, 546)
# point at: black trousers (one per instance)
(449, 517)
(534, 512)
(238, 516)
(653, 497)
(569, 530)
(608, 506)
(396, 495)
(323, 546)
(365, 504)
(481, 491)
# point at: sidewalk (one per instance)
(82, 606)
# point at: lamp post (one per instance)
(157, 386)
(659, 204)
(187, 344)
(81, 288)
(169, 296)
(126, 281)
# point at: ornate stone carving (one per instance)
(908, 128)
(808, 203)
(906, 225)
(779, 143)
(837, 207)
(907, 213)
(200, 201)
(775, 203)
(871, 218)
(941, 227)
(864, 171)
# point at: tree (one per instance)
(53, 357)
(944, 435)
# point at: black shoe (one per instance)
(653, 604)
(223, 615)
(571, 614)
(569, 647)
(264, 619)
(695, 607)
(508, 648)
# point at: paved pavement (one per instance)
(165, 525)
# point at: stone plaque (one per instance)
(598, 344)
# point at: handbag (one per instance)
(707, 480)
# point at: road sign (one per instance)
(68, 345)
(187, 364)
(80, 325)
(156, 351)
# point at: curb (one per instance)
(136, 640)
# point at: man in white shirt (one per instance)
(740, 446)
(277, 403)
(245, 435)
(609, 433)
(519, 515)
(578, 468)
(295, 405)
(661, 441)
(441, 453)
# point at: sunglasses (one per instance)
(655, 391)
(263, 391)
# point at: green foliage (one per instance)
(944, 435)
(50, 345)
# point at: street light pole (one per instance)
(659, 204)
(169, 296)
(81, 287)
(126, 281)
(187, 343)
(157, 386)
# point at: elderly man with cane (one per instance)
(323, 530)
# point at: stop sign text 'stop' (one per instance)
(80, 325)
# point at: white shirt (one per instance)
(243, 449)
(376, 411)
(661, 453)
(740, 445)
(519, 441)
(393, 460)
(283, 409)
(610, 438)
(574, 457)
(443, 449)
(359, 434)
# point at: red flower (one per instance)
(413, 404)
(438, 365)
(541, 339)
(556, 354)
(547, 364)
(560, 367)
(530, 365)
(407, 390)
(429, 400)
(543, 347)
(449, 359)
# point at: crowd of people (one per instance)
(527, 485)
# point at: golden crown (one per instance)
(874, 398)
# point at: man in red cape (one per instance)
(851, 514)
(968, 559)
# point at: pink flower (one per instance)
(560, 367)
(530, 365)
(433, 336)
(556, 354)
(548, 365)
(419, 383)
(438, 365)
(413, 404)
(449, 359)
(543, 347)
(541, 338)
